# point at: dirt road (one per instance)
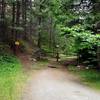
(56, 84)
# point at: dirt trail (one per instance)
(26, 62)
(56, 84)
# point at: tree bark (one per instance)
(24, 16)
(13, 22)
(98, 56)
(39, 33)
(17, 18)
(3, 34)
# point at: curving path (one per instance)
(56, 84)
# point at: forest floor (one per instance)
(46, 83)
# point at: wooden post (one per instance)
(57, 56)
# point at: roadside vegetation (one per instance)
(89, 77)
(11, 77)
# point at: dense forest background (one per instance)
(74, 25)
(34, 34)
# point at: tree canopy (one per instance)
(73, 24)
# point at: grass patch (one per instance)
(88, 77)
(11, 77)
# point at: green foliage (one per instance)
(86, 43)
(44, 22)
(67, 46)
(88, 77)
(8, 63)
(3, 48)
(17, 28)
(11, 77)
(84, 38)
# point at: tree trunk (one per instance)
(24, 16)
(39, 30)
(17, 18)
(3, 34)
(13, 22)
(39, 33)
(98, 56)
(30, 30)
